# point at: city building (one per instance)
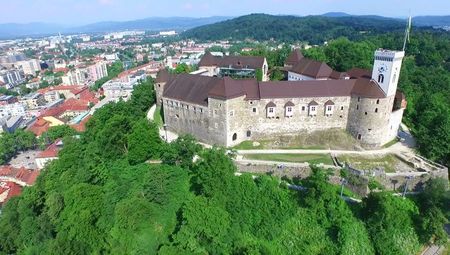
(225, 111)
(33, 100)
(300, 68)
(29, 67)
(49, 154)
(235, 66)
(11, 78)
(14, 109)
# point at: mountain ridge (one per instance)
(16, 30)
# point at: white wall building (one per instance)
(30, 66)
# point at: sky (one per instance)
(78, 12)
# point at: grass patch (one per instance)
(248, 145)
(157, 116)
(293, 158)
(336, 139)
(389, 144)
(387, 162)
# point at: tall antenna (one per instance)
(407, 31)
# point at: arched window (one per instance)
(380, 78)
(378, 101)
(376, 109)
(234, 137)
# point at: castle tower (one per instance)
(386, 69)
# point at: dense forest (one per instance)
(312, 29)
(104, 196)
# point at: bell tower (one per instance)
(386, 69)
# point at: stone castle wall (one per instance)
(248, 118)
(159, 88)
(369, 119)
(204, 123)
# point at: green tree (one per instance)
(143, 142)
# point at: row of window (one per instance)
(390, 59)
(312, 110)
(184, 106)
(376, 109)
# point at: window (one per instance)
(249, 133)
(378, 101)
(359, 136)
(380, 78)
(303, 108)
(231, 113)
(329, 109)
(270, 112)
(234, 137)
(359, 99)
(365, 113)
(312, 110)
(254, 109)
(376, 109)
(342, 108)
(288, 111)
(357, 107)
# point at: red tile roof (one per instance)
(51, 151)
(27, 176)
(196, 88)
(252, 62)
(39, 127)
(12, 189)
(294, 57)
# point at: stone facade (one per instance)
(250, 119)
(233, 112)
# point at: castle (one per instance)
(225, 111)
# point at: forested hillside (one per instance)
(312, 29)
(103, 197)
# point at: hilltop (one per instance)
(314, 29)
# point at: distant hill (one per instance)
(12, 30)
(336, 14)
(314, 29)
(435, 21)
(177, 23)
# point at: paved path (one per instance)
(433, 250)
(301, 151)
(151, 112)
(268, 162)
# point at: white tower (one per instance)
(386, 69)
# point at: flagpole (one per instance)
(407, 30)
